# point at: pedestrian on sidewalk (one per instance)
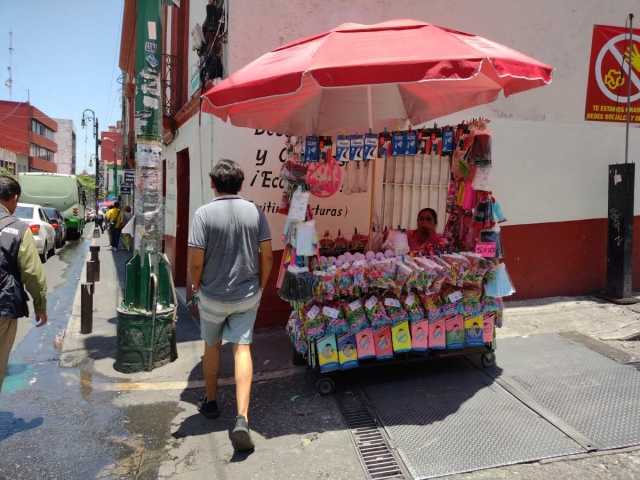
(20, 267)
(99, 218)
(228, 276)
(115, 222)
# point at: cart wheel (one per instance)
(325, 386)
(488, 359)
(297, 359)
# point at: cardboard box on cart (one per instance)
(383, 344)
(327, 353)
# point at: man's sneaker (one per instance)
(242, 436)
(208, 409)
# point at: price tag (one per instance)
(330, 312)
(392, 302)
(486, 249)
(455, 296)
(313, 312)
(410, 299)
(371, 303)
(355, 305)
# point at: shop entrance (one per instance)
(182, 218)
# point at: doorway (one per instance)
(182, 218)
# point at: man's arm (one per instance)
(33, 276)
(196, 263)
(266, 262)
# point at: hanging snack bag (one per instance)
(401, 337)
(344, 280)
(370, 146)
(312, 149)
(384, 144)
(327, 348)
(325, 146)
(413, 306)
(447, 141)
(360, 285)
(473, 331)
(437, 337)
(314, 321)
(420, 336)
(403, 273)
(356, 316)
(376, 313)
(411, 147)
(356, 149)
(342, 148)
(455, 331)
(347, 352)
(432, 302)
(365, 344)
(336, 321)
(398, 144)
(383, 343)
(394, 309)
(488, 319)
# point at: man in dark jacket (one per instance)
(20, 267)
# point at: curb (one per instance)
(72, 343)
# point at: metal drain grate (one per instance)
(377, 458)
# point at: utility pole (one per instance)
(9, 82)
(148, 289)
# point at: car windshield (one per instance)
(51, 213)
(23, 212)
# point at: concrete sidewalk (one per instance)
(299, 434)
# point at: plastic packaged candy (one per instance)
(447, 269)
(376, 313)
(418, 279)
(336, 321)
(458, 268)
(381, 275)
(318, 284)
(500, 285)
(413, 306)
(356, 316)
(360, 285)
(329, 277)
(395, 310)
(492, 304)
(314, 321)
(344, 281)
(431, 303)
(403, 273)
(295, 331)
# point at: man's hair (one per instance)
(116, 204)
(9, 188)
(227, 176)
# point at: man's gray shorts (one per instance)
(229, 321)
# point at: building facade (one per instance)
(549, 174)
(14, 162)
(26, 130)
(65, 157)
(111, 148)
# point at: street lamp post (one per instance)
(94, 119)
(115, 165)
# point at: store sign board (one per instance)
(261, 155)
(486, 249)
(608, 80)
(130, 176)
(125, 189)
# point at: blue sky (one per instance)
(65, 52)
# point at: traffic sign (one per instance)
(608, 81)
(125, 189)
(130, 176)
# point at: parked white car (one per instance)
(43, 233)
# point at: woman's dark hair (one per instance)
(9, 188)
(227, 176)
(432, 212)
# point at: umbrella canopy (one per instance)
(357, 77)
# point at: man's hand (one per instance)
(41, 319)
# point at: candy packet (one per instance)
(413, 306)
(314, 321)
(437, 273)
(376, 313)
(381, 274)
(336, 321)
(329, 283)
(360, 285)
(356, 316)
(432, 302)
(418, 279)
(395, 310)
(318, 284)
(344, 280)
(403, 273)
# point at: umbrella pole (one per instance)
(373, 170)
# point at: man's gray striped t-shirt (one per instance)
(230, 230)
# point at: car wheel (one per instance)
(43, 255)
(52, 252)
(58, 242)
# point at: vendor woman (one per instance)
(425, 234)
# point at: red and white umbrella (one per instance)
(357, 77)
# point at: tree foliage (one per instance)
(7, 172)
(89, 184)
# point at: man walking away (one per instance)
(115, 222)
(100, 220)
(20, 267)
(229, 276)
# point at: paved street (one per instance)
(68, 414)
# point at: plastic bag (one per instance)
(314, 321)
(376, 313)
(306, 238)
(500, 285)
(395, 310)
(356, 316)
(336, 321)
(413, 306)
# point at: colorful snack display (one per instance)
(356, 316)
(431, 303)
(403, 273)
(314, 321)
(413, 306)
(420, 336)
(336, 321)
(376, 313)
(395, 310)
(401, 337)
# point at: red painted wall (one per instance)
(15, 127)
(106, 148)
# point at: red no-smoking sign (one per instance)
(608, 85)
